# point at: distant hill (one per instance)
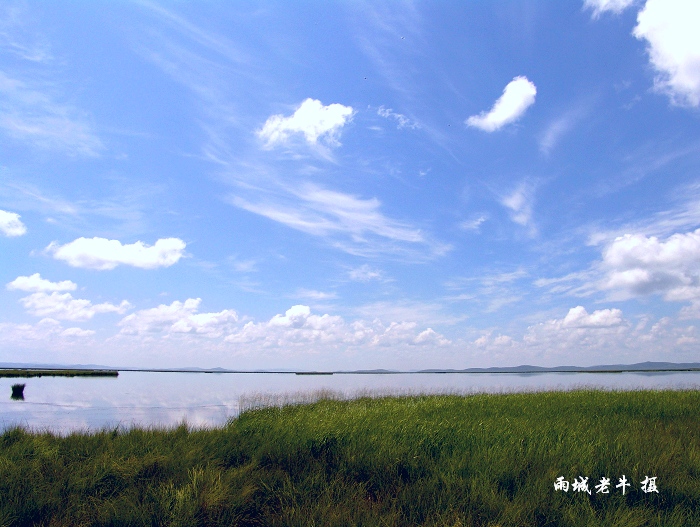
(638, 367)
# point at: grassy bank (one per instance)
(57, 373)
(483, 460)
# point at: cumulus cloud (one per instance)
(10, 224)
(35, 283)
(64, 307)
(578, 317)
(639, 265)
(178, 317)
(602, 6)
(670, 28)
(298, 326)
(44, 332)
(77, 332)
(518, 96)
(500, 341)
(103, 254)
(311, 119)
(604, 327)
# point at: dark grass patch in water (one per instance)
(17, 392)
(56, 373)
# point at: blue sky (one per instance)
(328, 185)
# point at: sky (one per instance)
(349, 185)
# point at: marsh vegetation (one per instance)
(31, 372)
(438, 460)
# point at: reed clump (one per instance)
(35, 372)
(18, 392)
(440, 460)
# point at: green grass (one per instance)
(57, 373)
(482, 460)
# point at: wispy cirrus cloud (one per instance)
(365, 273)
(520, 203)
(401, 120)
(30, 114)
(352, 224)
(518, 96)
(607, 6)
(559, 127)
(313, 294)
(17, 36)
(474, 224)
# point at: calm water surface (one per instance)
(65, 404)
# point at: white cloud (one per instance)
(178, 317)
(30, 115)
(315, 295)
(298, 327)
(401, 120)
(46, 333)
(601, 6)
(64, 307)
(430, 336)
(311, 119)
(77, 332)
(501, 341)
(473, 225)
(602, 329)
(578, 317)
(558, 128)
(43, 330)
(365, 273)
(639, 265)
(389, 312)
(353, 224)
(10, 224)
(17, 35)
(517, 96)
(520, 203)
(670, 28)
(103, 254)
(35, 283)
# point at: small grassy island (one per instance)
(441, 460)
(35, 372)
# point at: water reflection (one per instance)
(64, 404)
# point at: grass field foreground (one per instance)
(440, 460)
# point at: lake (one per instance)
(65, 404)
